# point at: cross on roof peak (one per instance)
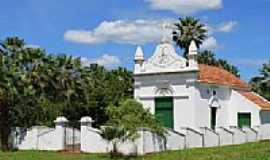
(167, 28)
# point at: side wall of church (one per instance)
(203, 94)
(237, 104)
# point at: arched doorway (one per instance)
(164, 107)
(214, 105)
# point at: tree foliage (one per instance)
(208, 57)
(261, 84)
(35, 87)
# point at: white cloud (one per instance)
(224, 27)
(227, 26)
(105, 60)
(210, 43)
(138, 32)
(120, 31)
(185, 7)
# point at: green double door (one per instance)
(164, 111)
(244, 119)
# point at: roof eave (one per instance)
(165, 73)
(264, 109)
(232, 86)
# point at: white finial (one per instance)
(193, 48)
(139, 54)
(139, 60)
(192, 55)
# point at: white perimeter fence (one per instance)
(90, 140)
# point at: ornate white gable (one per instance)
(165, 59)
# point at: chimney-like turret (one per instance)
(192, 55)
(139, 59)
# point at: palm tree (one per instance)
(22, 82)
(35, 87)
(189, 29)
(15, 86)
(207, 57)
(261, 84)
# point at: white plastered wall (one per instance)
(203, 95)
(182, 92)
(239, 103)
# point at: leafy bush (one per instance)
(125, 120)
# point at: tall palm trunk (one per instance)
(185, 54)
(5, 132)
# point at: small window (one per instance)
(244, 119)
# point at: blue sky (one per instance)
(108, 31)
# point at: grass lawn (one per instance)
(258, 151)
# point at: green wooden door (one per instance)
(164, 111)
(244, 119)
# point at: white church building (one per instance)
(194, 95)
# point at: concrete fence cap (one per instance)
(61, 119)
(86, 119)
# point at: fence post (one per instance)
(140, 142)
(86, 122)
(60, 126)
(257, 128)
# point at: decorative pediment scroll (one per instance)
(165, 58)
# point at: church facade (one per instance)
(182, 93)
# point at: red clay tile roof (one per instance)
(216, 75)
(260, 101)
